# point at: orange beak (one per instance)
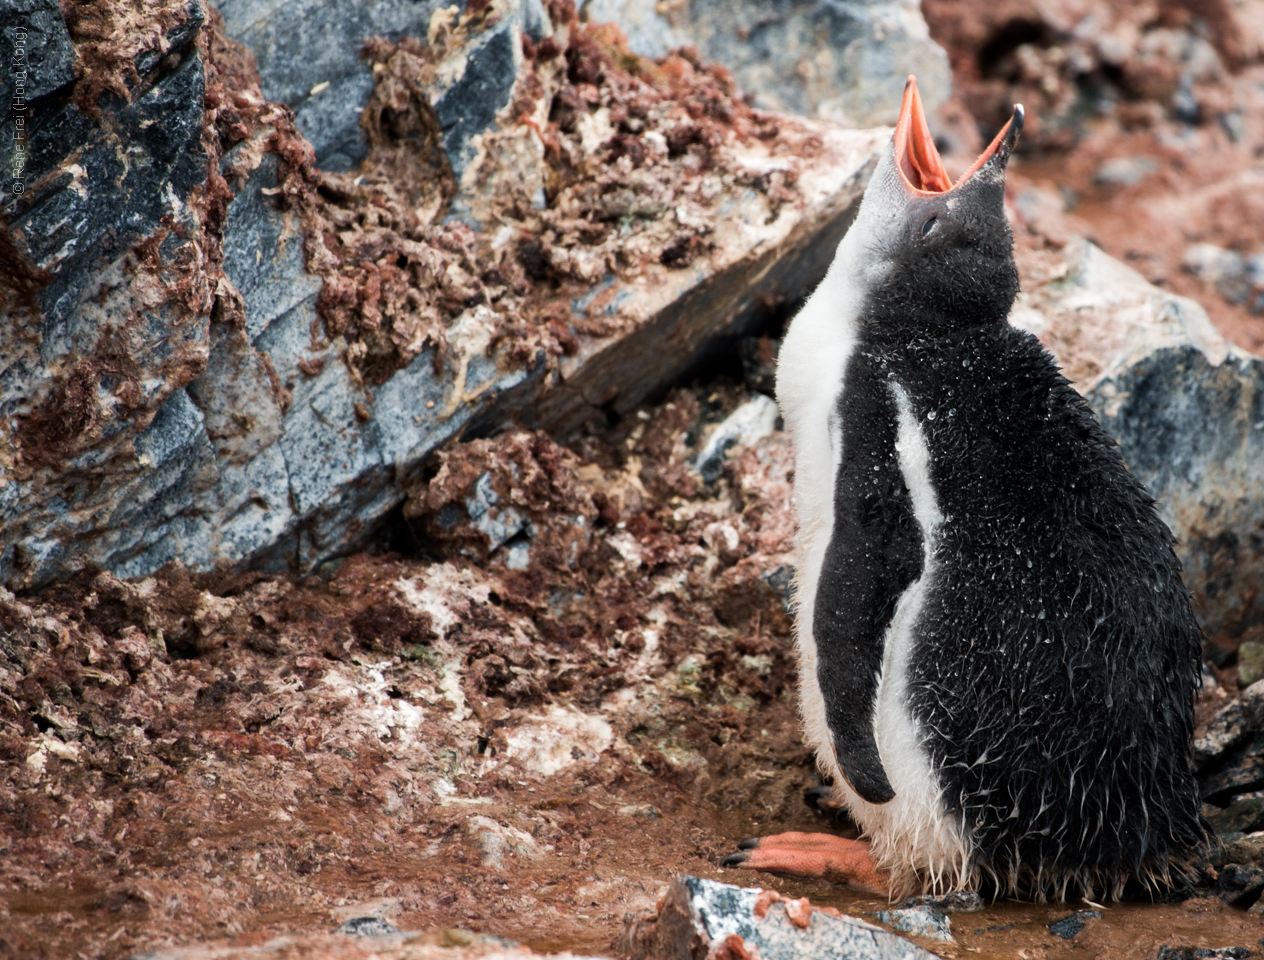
(916, 155)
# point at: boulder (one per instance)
(841, 61)
(700, 917)
(245, 358)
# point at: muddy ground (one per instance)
(564, 673)
(530, 753)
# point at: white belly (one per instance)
(911, 835)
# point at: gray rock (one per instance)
(1202, 953)
(1237, 278)
(961, 901)
(308, 52)
(1238, 818)
(1246, 850)
(699, 917)
(1239, 885)
(1073, 925)
(920, 920)
(263, 250)
(129, 172)
(367, 927)
(39, 60)
(749, 423)
(840, 60)
(1125, 171)
(91, 353)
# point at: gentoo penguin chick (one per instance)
(998, 656)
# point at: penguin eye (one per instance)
(929, 226)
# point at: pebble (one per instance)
(1071, 926)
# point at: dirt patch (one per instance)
(581, 687)
(527, 750)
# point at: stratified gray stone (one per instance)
(697, 917)
(38, 56)
(308, 52)
(483, 86)
(93, 358)
(127, 174)
(263, 251)
(1229, 756)
(840, 60)
(276, 454)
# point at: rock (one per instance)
(1184, 405)
(701, 917)
(1250, 663)
(280, 447)
(1248, 851)
(1244, 816)
(841, 61)
(1237, 278)
(1073, 925)
(41, 60)
(108, 298)
(1202, 953)
(367, 927)
(1229, 756)
(921, 920)
(962, 901)
(1239, 885)
(752, 421)
(1125, 171)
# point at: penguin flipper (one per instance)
(875, 553)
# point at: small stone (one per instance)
(1226, 270)
(748, 424)
(367, 927)
(1202, 953)
(1250, 663)
(1125, 171)
(704, 918)
(1071, 926)
(1247, 850)
(962, 901)
(1239, 885)
(921, 920)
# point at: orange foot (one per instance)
(820, 856)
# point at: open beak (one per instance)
(917, 157)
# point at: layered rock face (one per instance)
(220, 349)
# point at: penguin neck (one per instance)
(900, 334)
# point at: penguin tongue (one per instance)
(915, 151)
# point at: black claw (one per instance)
(733, 859)
(749, 844)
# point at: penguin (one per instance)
(998, 657)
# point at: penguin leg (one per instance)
(819, 856)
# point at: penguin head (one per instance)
(932, 256)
